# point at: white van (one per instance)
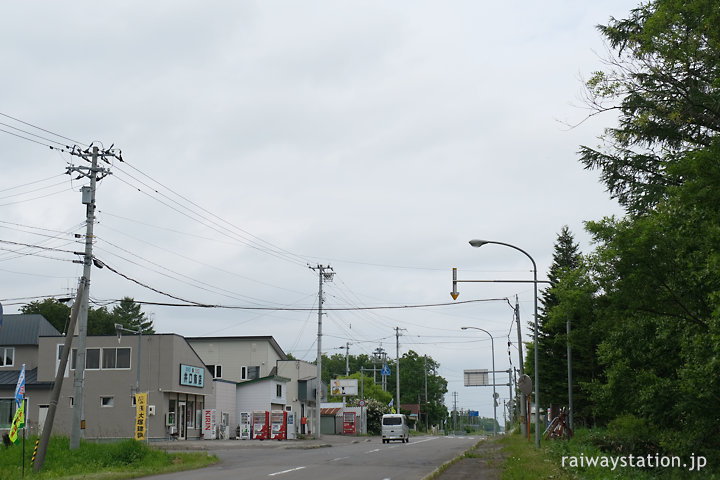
(395, 427)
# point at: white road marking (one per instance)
(373, 451)
(338, 459)
(285, 471)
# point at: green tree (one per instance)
(54, 311)
(100, 320)
(663, 82)
(412, 382)
(656, 270)
(130, 315)
(414, 369)
(552, 337)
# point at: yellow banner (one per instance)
(140, 416)
(17, 423)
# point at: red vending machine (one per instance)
(349, 423)
(278, 419)
(260, 425)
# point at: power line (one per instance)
(40, 128)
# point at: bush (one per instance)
(127, 452)
(627, 435)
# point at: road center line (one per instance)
(338, 459)
(285, 471)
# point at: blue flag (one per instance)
(20, 388)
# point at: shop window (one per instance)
(171, 413)
(190, 414)
(7, 356)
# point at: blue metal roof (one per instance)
(9, 378)
(25, 329)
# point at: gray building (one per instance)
(172, 374)
(181, 376)
(19, 338)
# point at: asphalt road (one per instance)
(358, 459)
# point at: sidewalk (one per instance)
(483, 461)
(209, 445)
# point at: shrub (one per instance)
(626, 435)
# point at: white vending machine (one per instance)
(291, 426)
(245, 425)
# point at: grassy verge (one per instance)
(124, 459)
(525, 462)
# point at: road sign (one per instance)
(525, 384)
(476, 378)
(385, 370)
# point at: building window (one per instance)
(7, 356)
(253, 372)
(116, 358)
(92, 359)
(243, 373)
(6, 412)
(278, 390)
(72, 402)
(215, 370)
(107, 401)
(112, 358)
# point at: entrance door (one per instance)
(182, 420)
(42, 415)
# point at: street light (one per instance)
(480, 243)
(119, 329)
(492, 347)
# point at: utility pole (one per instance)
(397, 366)
(381, 355)
(325, 273)
(57, 386)
(426, 398)
(455, 394)
(94, 173)
(523, 404)
(347, 358)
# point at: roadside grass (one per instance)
(525, 462)
(107, 461)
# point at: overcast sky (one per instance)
(262, 137)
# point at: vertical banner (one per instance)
(140, 416)
(18, 421)
(209, 424)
